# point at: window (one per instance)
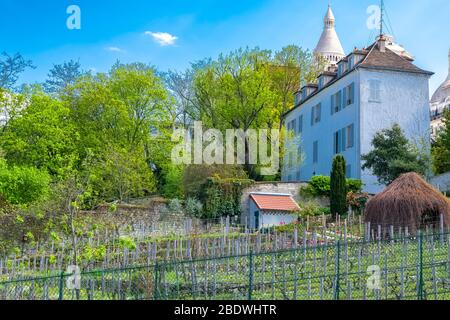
(344, 139)
(315, 152)
(350, 136)
(291, 160)
(375, 90)
(349, 95)
(294, 126)
(337, 142)
(336, 103)
(316, 112)
(300, 124)
(298, 176)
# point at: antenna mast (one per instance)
(382, 18)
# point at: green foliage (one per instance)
(319, 186)
(312, 209)
(193, 207)
(441, 147)
(357, 200)
(23, 185)
(127, 242)
(42, 136)
(222, 197)
(338, 187)
(393, 155)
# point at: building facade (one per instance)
(440, 101)
(368, 90)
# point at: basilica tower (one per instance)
(329, 46)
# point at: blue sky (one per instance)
(116, 29)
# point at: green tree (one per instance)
(441, 147)
(10, 69)
(41, 136)
(393, 155)
(63, 75)
(23, 185)
(338, 187)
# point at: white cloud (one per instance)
(114, 49)
(163, 38)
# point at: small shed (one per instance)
(271, 209)
(410, 202)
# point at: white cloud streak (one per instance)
(162, 38)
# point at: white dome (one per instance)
(443, 92)
(329, 45)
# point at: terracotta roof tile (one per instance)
(275, 202)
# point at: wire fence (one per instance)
(415, 267)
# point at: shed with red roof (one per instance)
(271, 209)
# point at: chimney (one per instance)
(382, 44)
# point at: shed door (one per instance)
(256, 219)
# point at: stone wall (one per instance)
(442, 182)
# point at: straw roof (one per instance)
(410, 202)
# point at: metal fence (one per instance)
(406, 268)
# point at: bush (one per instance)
(193, 207)
(319, 186)
(23, 185)
(312, 209)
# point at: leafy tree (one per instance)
(23, 185)
(122, 175)
(393, 155)
(63, 75)
(441, 147)
(290, 68)
(10, 69)
(338, 187)
(42, 136)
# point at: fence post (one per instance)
(61, 286)
(420, 278)
(155, 285)
(250, 278)
(338, 258)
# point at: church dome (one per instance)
(329, 45)
(443, 92)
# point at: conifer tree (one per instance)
(338, 186)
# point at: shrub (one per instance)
(312, 209)
(193, 207)
(23, 185)
(319, 186)
(338, 187)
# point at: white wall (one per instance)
(442, 182)
(270, 220)
(404, 100)
(324, 131)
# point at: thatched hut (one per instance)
(410, 202)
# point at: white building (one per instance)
(370, 90)
(440, 101)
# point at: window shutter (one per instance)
(344, 99)
(332, 104)
(344, 139)
(352, 95)
(319, 112)
(312, 116)
(352, 135)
